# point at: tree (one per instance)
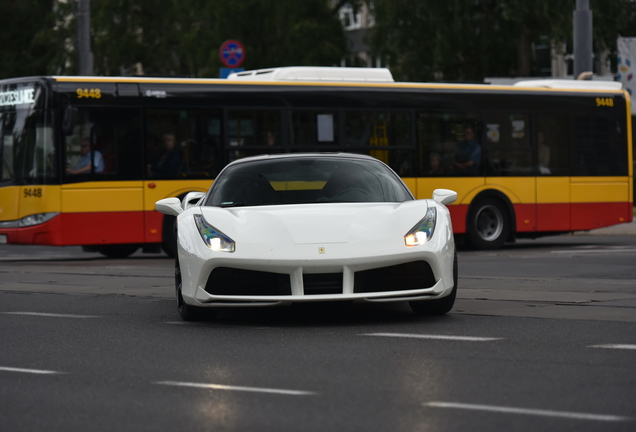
(455, 40)
(31, 41)
(171, 37)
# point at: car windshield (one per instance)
(306, 180)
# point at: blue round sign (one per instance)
(232, 53)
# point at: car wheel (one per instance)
(169, 236)
(488, 224)
(117, 250)
(188, 312)
(439, 306)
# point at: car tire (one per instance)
(488, 224)
(439, 306)
(117, 250)
(188, 312)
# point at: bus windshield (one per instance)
(26, 144)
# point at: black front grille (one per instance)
(324, 283)
(401, 277)
(230, 281)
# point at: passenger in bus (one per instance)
(271, 139)
(449, 156)
(168, 164)
(435, 167)
(544, 154)
(468, 154)
(86, 164)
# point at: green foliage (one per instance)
(30, 38)
(458, 40)
(182, 38)
(422, 40)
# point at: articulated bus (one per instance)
(84, 159)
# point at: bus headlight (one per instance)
(423, 231)
(213, 238)
(36, 219)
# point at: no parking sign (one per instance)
(232, 53)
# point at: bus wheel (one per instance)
(488, 224)
(117, 250)
(169, 235)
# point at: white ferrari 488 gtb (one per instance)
(312, 227)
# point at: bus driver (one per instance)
(85, 164)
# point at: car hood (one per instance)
(316, 223)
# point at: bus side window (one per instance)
(104, 144)
(552, 144)
(508, 145)
(449, 144)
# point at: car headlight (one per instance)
(423, 231)
(213, 238)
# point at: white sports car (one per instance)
(312, 227)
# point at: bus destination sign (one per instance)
(17, 97)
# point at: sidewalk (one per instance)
(626, 229)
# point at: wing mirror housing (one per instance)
(169, 206)
(444, 196)
(191, 199)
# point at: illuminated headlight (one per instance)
(36, 219)
(423, 231)
(215, 239)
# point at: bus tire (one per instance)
(439, 306)
(169, 236)
(117, 250)
(488, 224)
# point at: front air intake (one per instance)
(401, 277)
(238, 282)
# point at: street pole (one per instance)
(84, 54)
(582, 39)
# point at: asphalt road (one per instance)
(542, 337)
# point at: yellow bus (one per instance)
(84, 159)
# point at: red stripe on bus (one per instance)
(556, 217)
(146, 227)
(596, 215)
(103, 228)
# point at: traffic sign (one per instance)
(232, 53)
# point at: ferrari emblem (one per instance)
(321, 250)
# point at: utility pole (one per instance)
(582, 39)
(84, 54)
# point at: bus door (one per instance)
(507, 162)
(102, 191)
(183, 153)
(551, 152)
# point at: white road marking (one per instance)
(441, 337)
(33, 371)
(50, 315)
(589, 251)
(236, 388)
(536, 412)
(614, 346)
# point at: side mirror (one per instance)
(444, 196)
(68, 120)
(169, 206)
(191, 199)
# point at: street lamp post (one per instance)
(582, 38)
(84, 54)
